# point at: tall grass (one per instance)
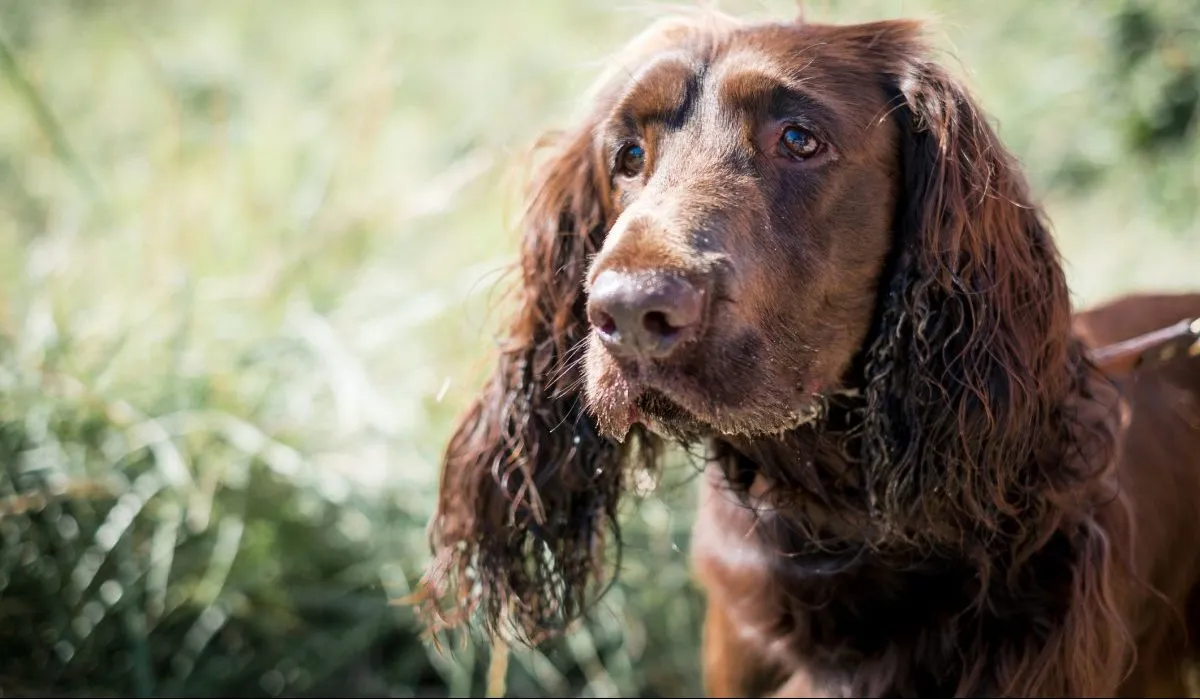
(249, 256)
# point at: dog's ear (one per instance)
(528, 486)
(972, 358)
(987, 431)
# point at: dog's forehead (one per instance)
(734, 62)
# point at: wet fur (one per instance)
(976, 510)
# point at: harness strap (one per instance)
(1151, 349)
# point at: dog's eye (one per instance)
(799, 142)
(631, 160)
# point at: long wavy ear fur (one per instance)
(988, 434)
(528, 486)
(972, 358)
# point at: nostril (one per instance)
(605, 324)
(657, 325)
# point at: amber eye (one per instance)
(799, 142)
(631, 160)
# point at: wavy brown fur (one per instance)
(973, 384)
(959, 520)
(970, 438)
(529, 486)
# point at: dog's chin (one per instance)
(664, 416)
(672, 408)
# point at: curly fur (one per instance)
(529, 487)
(951, 523)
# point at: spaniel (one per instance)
(803, 247)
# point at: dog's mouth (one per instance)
(696, 397)
(668, 417)
(665, 415)
(656, 405)
(662, 414)
(675, 412)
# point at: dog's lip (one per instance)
(807, 406)
(681, 416)
(692, 409)
(682, 404)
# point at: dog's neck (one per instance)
(813, 477)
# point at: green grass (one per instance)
(248, 266)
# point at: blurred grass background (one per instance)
(248, 263)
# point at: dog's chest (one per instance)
(872, 618)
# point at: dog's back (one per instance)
(1160, 473)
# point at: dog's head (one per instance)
(752, 178)
(748, 218)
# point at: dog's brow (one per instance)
(659, 92)
(756, 89)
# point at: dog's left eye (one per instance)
(631, 160)
(799, 142)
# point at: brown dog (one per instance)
(803, 246)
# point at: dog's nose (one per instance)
(646, 315)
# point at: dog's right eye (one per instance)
(630, 160)
(799, 142)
